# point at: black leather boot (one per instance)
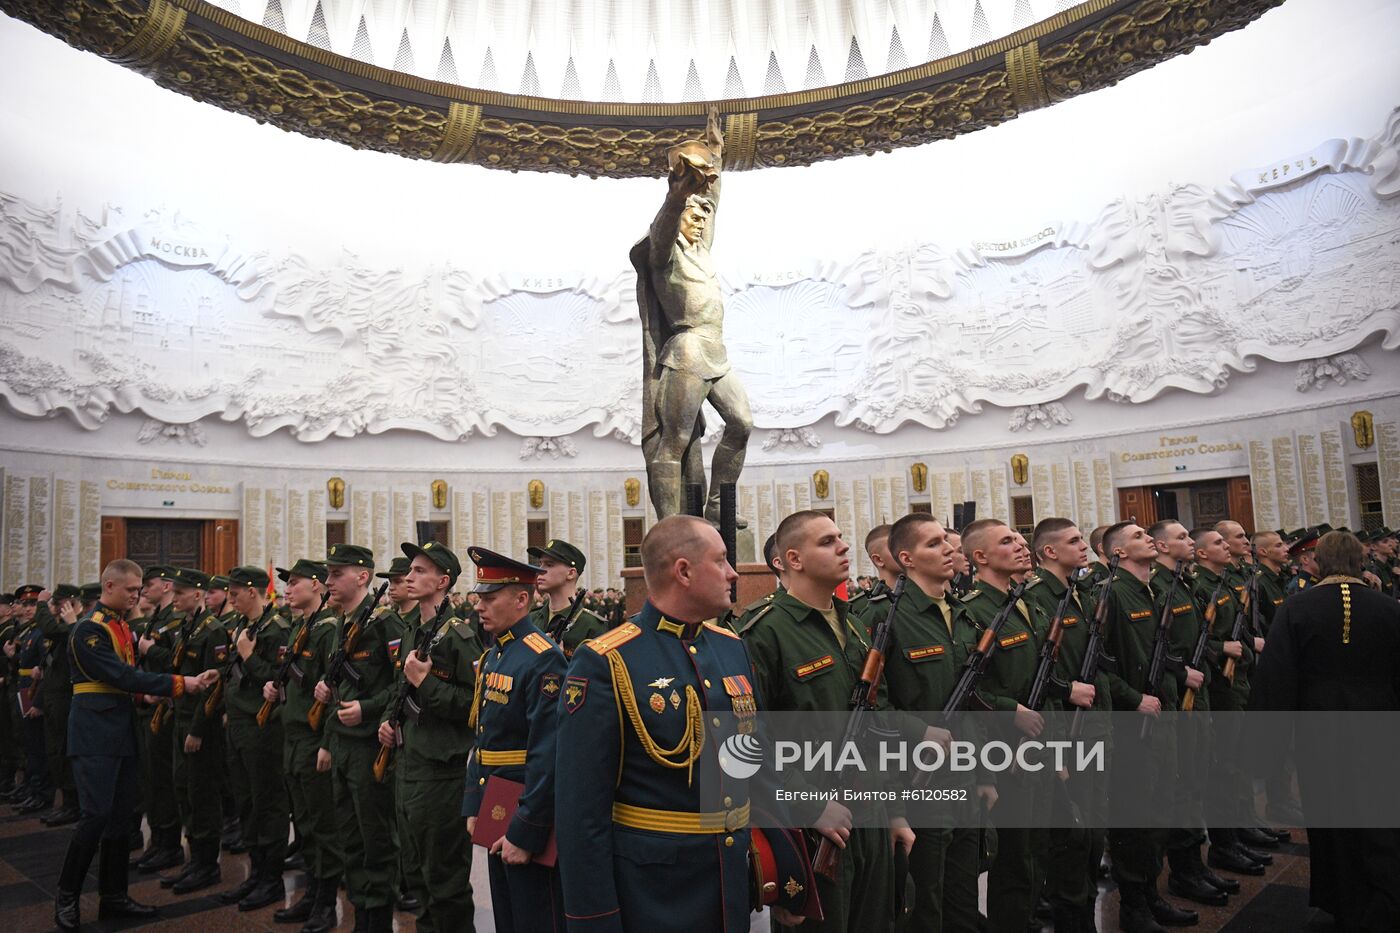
(269, 889)
(323, 913)
(300, 912)
(1228, 858)
(243, 889)
(65, 911)
(1168, 914)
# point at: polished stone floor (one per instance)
(30, 855)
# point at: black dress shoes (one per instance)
(161, 860)
(65, 911)
(1170, 915)
(62, 817)
(1256, 839)
(1228, 885)
(1228, 858)
(1196, 888)
(120, 907)
(203, 876)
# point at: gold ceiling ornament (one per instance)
(439, 488)
(214, 56)
(536, 490)
(918, 474)
(821, 484)
(632, 489)
(1363, 429)
(1020, 468)
(335, 489)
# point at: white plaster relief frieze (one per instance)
(105, 311)
(1337, 370)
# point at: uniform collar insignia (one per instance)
(678, 629)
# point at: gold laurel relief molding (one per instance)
(159, 29)
(459, 135)
(1027, 79)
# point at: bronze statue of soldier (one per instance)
(682, 309)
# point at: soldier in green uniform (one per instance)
(1273, 581)
(56, 620)
(1231, 834)
(217, 602)
(397, 576)
(310, 644)
(407, 608)
(567, 625)
(260, 644)
(10, 759)
(197, 734)
(156, 636)
(1073, 854)
(436, 742)
(29, 658)
(999, 554)
(1189, 877)
(1132, 630)
(932, 633)
(364, 808)
(233, 790)
(808, 654)
(1098, 561)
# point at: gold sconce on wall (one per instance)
(536, 490)
(821, 484)
(632, 488)
(1363, 429)
(1020, 468)
(335, 488)
(439, 488)
(919, 474)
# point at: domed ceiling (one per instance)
(603, 87)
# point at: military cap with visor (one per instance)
(28, 592)
(440, 554)
(67, 591)
(562, 551)
(494, 571)
(195, 579)
(256, 577)
(350, 555)
(398, 567)
(311, 569)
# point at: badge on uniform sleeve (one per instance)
(220, 653)
(281, 652)
(91, 641)
(575, 690)
(549, 685)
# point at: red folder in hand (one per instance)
(499, 801)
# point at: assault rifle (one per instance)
(557, 629)
(401, 698)
(1050, 651)
(1198, 653)
(339, 666)
(211, 702)
(284, 672)
(863, 699)
(1093, 652)
(1250, 611)
(1161, 645)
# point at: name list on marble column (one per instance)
(1286, 476)
(65, 531)
(1314, 483)
(1335, 471)
(1261, 483)
(1388, 453)
(252, 526)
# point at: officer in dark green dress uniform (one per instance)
(29, 655)
(808, 655)
(932, 635)
(641, 848)
(260, 639)
(233, 791)
(430, 765)
(56, 621)
(364, 807)
(197, 735)
(155, 645)
(311, 642)
(1302, 552)
(515, 713)
(560, 565)
(102, 743)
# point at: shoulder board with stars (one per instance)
(537, 643)
(614, 639)
(99, 616)
(758, 615)
(462, 627)
(759, 603)
(720, 630)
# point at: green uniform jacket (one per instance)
(1132, 627)
(373, 660)
(1044, 595)
(1273, 589)
(308, 667)
(56, 683)
(1006, 682)
(587, 624)
(1223, 695)
(438, 741)
(163, 627)
(203, 645)
(1187, 620)
(243, 690)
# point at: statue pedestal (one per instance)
(755, 582)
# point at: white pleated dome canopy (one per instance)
(645, 51)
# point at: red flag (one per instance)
(271, 582)
(841, 592)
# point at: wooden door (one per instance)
(113, 539)
(219, 545)
(1135, 504)
(1241, 502)
(171, 542)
